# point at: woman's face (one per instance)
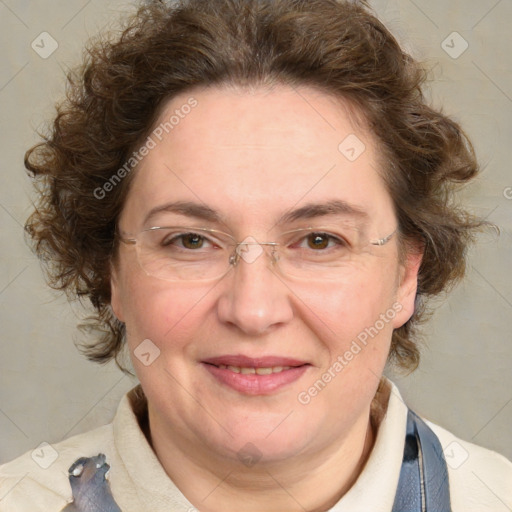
(250, 157)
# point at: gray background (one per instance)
(48, 391)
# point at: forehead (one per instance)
(253, 154)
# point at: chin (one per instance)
(273, 439)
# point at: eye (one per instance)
(320, 241)
(190, 241)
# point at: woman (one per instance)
(257, 201)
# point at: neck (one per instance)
(313, 482)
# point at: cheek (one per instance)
(160, 311)
(342, 311)
(171, 318)
(354, 323)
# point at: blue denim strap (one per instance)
(423, 483)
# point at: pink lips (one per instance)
(258, 362)
(254, 384)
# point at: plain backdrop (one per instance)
(48, 391)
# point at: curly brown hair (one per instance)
(340, 47)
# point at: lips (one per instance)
(255, 376)
(242, 361)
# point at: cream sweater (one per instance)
(480, 480)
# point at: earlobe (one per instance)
(407, 287)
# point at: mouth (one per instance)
(255, 376)
(255, 371)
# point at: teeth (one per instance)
(264, 371)
(251, 371)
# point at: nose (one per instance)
(254, 298)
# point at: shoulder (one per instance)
(480, 479)
(38, 480)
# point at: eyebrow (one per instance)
(329, 208)
(187, 208)
(308, 211)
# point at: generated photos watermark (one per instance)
(136, 157)
(44, 455)
(146, 352)
(342, 361)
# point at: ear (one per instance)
(407, 286)
(116, 293)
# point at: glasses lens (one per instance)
(323, 253)
(179, 253)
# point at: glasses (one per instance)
(179, 253)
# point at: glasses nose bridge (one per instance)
(253, 252)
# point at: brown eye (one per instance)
(192, 241)
(323, 242)
(184, 241)
(318, 241)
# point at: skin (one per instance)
(253, 155)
